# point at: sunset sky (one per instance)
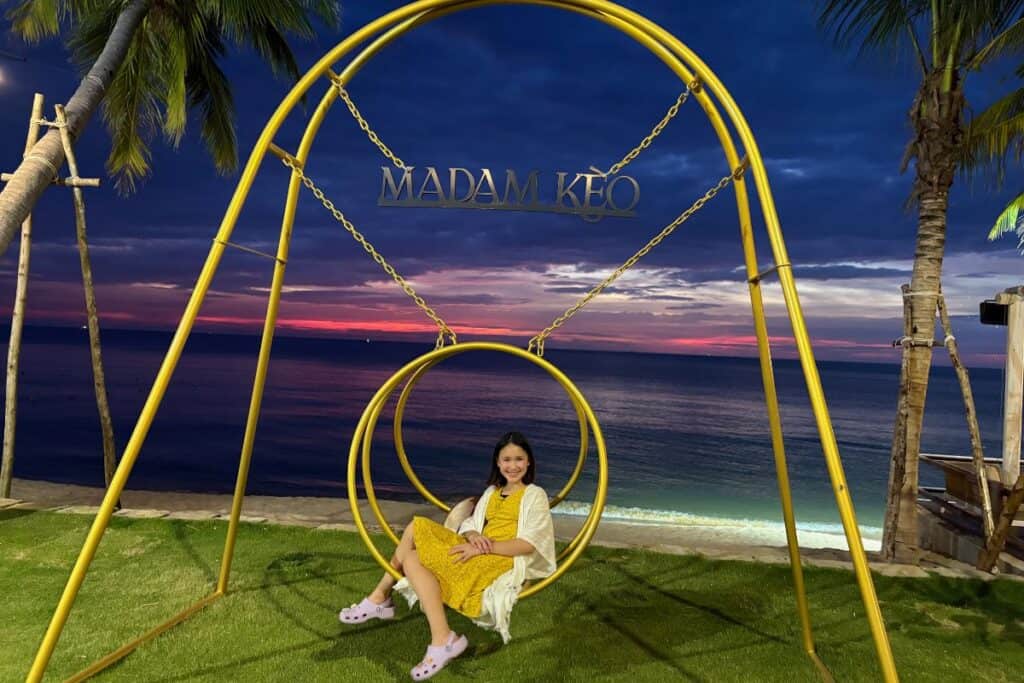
(529, 88)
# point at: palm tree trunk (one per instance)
(17, 320)
(39, 167)
(98, 378)
(936, 118)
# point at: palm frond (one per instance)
(872, 23)
(1008, 40)
(993, 136)
(327, 11)
(34, 20)
(209, 92)
(1009, 221)
(132, 114)
(264, 25)
(173, 73)
(173, 65)
(972, 33)
(90, 35)
(131, 108)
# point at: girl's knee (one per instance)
(396, 563)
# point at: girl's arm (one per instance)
(516, 546)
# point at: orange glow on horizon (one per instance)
(381, 327)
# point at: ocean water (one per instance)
(687, 436)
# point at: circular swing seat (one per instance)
(359, 453)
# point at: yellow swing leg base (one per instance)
(123, 651)
(823, 671)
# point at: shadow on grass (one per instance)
(178, 530)
(611, 615)
(990, 611)
(364, 640)
(280, 574)
(287, 572)
(637, 620)
(619, 619)
(6, 515)
(688, 599)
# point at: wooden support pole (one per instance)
(99, 382)
(897, 467)
(977, 453)
(66, 182)
(17, 321)
(1013, 394)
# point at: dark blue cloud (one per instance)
(527, 88)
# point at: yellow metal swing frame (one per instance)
(690, 69)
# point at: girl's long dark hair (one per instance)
(496, 478)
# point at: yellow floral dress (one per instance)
(463, 583)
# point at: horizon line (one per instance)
(286, 333)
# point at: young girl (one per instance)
(479, 571)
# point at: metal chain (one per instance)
(365, 126)
(655, 132)
(536, 344)
(444, 333)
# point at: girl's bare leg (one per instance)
(429, 592)
(382, 592)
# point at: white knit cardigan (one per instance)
(536, 528)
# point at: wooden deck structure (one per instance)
(958, 503)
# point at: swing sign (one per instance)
(591, 195)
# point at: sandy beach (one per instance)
(719, 542)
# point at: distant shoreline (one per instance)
(422, 344)
(696, 534)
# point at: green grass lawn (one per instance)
(617, 615)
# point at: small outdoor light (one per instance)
(994, 312)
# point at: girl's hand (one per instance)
(481, 543)
(465, 551)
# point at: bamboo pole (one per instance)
(99, 381)
(899, 442)
(17, 321)
(67, 182)
(977, 453)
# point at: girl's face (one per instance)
(513, 462)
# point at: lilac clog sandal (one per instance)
(366, 610)
(438, 656)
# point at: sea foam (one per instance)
(731, 530)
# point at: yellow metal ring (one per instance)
(403, 457)
(363, 434)
(371, 494)
(400, 445)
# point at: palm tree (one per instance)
(948, 40)
(151, 62)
